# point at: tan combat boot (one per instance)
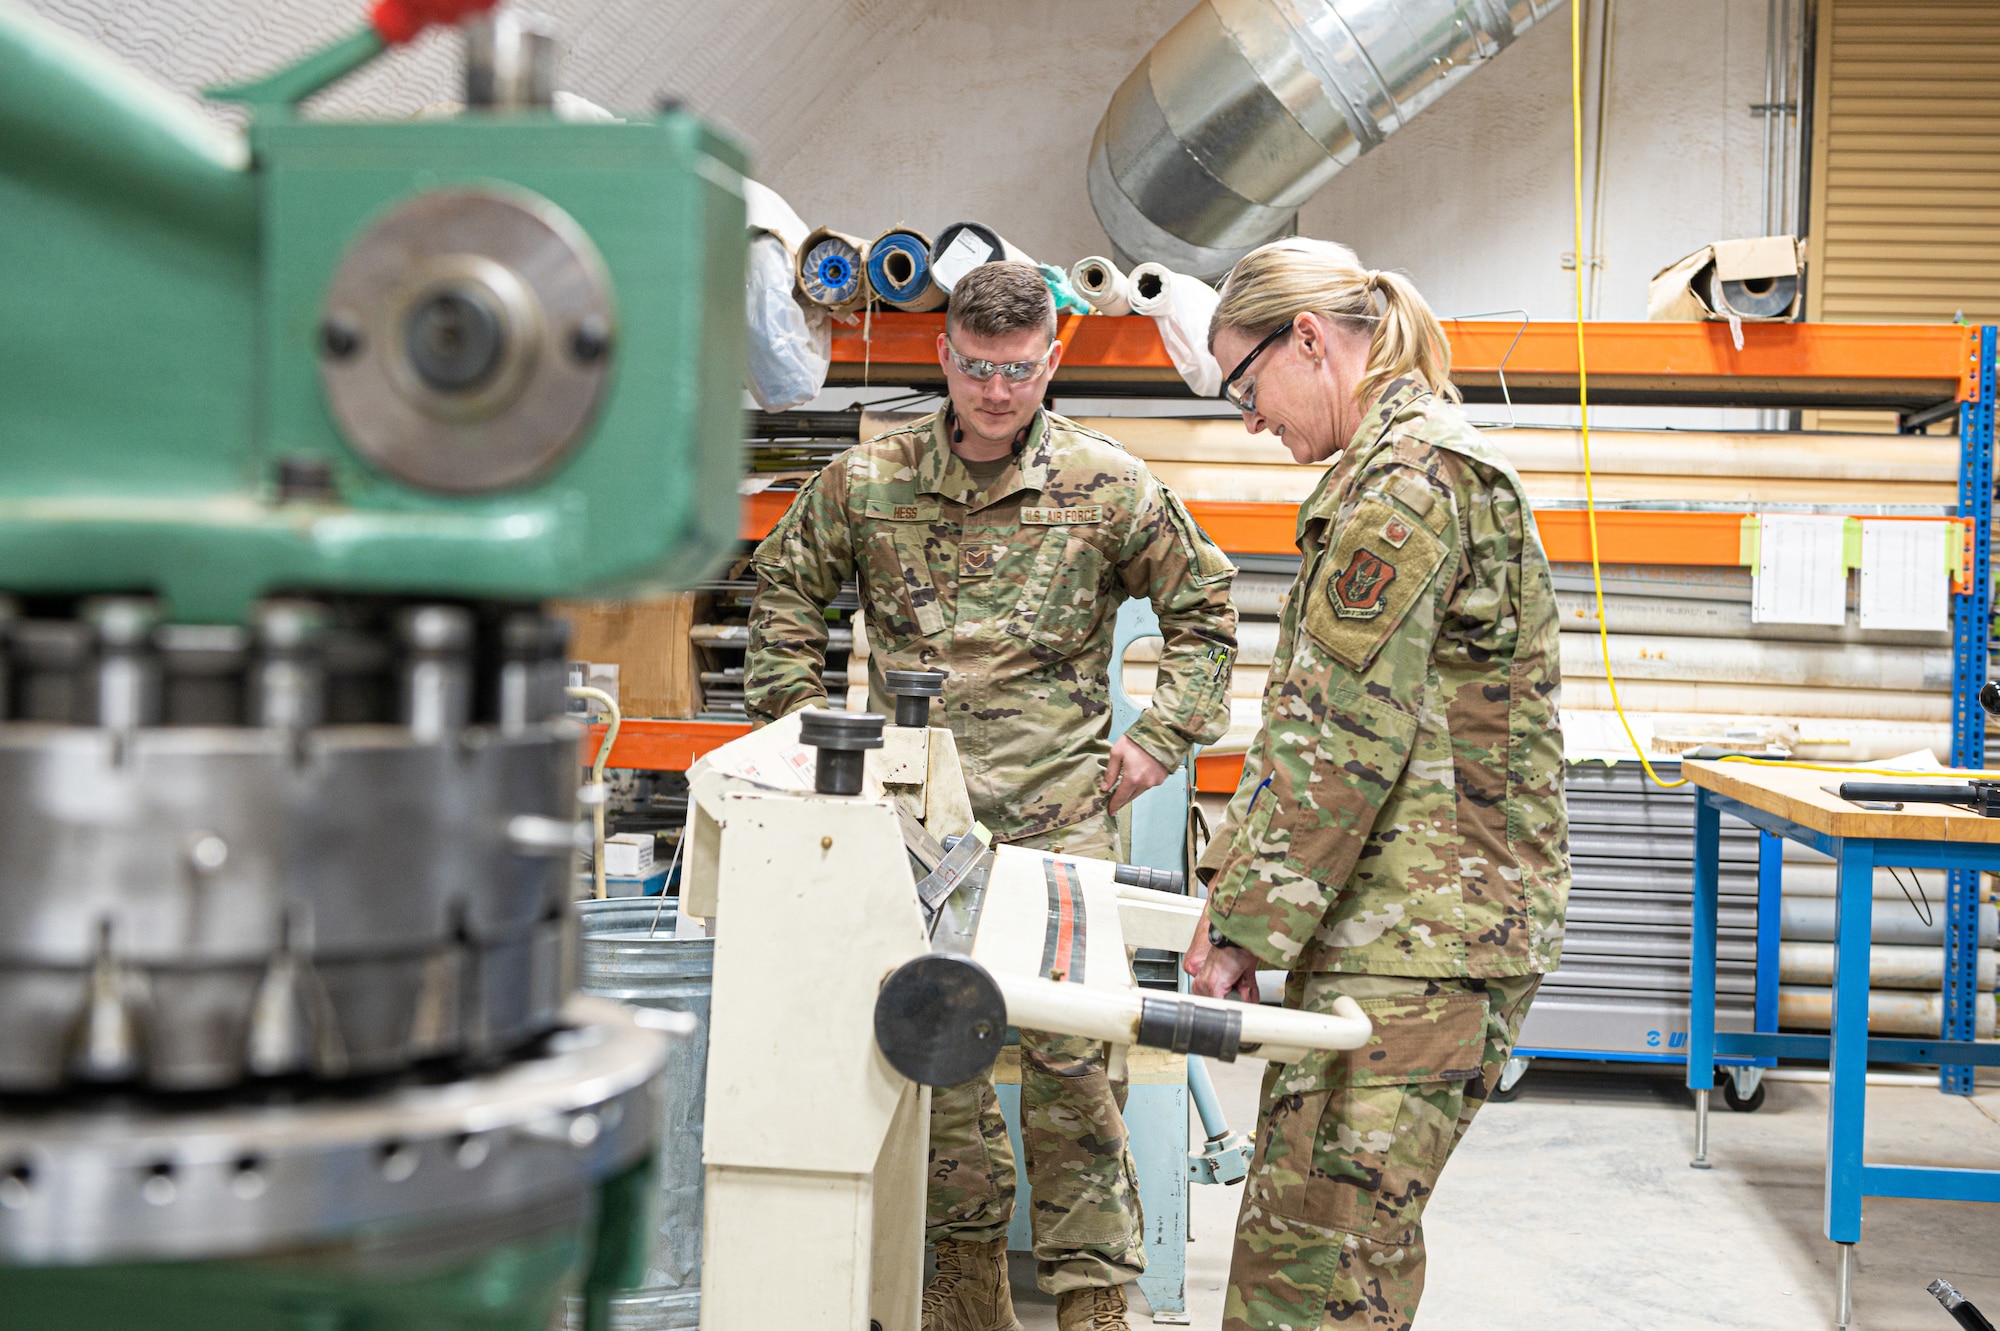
(969, 1291)
(1099, 1309)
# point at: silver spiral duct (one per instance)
(1240, 113)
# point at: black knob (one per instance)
(1989, 697)
(841, 738)
(913, 691)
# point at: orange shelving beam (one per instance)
(662, 746)
(1935, 360)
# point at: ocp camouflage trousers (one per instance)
(1331, 1229)
(1086, 1221)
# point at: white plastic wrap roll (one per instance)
(1181, 306)
(1098, 281)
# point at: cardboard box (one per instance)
(1737, 281)
(628, 855)
(648, 642)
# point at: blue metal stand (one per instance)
(1971, 632)
(1849, 1049)
(1156, 1109)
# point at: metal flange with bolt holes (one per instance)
(466, 339)
(135, 1183)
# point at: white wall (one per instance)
(1473, 197)
(867, 113)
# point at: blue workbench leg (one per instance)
(1847, 1064)
(1701, 988)
(1770, 918)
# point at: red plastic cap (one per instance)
(400, 20)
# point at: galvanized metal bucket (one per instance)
(630, 954)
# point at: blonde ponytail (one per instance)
(1285, 278)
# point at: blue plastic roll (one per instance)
(899, 268)
(830, 271)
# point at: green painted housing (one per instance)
(159, 318)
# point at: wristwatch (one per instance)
(1216, 939)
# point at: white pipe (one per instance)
(1646, 656)
(597, 794)
(1641, 695)
(1890, 1011)
(1282, 1035)
(1890, 966)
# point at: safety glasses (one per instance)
(1013, 371)
(1246, 400)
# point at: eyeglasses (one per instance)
(1013, 371)
(1246, 401)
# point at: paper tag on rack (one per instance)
(964, 254)
(1905, 579)
(1801, 572)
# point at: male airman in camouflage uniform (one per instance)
(1010, 581)
(1399, 836)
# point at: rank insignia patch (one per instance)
(1358, 590)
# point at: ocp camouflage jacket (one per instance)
(1401, 812)
(1013, 588)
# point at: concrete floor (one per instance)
(1574, 1207)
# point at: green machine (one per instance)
(298, 429)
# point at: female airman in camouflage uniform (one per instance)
(1399, 834)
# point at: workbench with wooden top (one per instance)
(1800, 803)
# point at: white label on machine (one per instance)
(1801, 572)
(1904, 584)
(965, 253)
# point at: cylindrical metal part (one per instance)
(630, 954)
(510, 61)
(1889, 966)
(436, 696)
(202, 668)
(1894, 920)
(842, 738)
(288, 681)
(1890, 1011)
(913, 691)
(50, 661)
(534, 669)
(1201, 1088)
(1247, 107)
(127, 693)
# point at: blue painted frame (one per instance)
(1971, 624)
(1849, 1048)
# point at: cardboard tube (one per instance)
(1098, 281)
(833, 271)
(963, 246)
(899, 269)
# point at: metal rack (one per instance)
(1922, 372)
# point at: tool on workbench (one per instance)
(1954, 1303)
(1982, 797)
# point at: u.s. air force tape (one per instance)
(1189, 1028)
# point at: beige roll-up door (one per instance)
(1905, 203)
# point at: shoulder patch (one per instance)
(1367, 584)
(1062, 517)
